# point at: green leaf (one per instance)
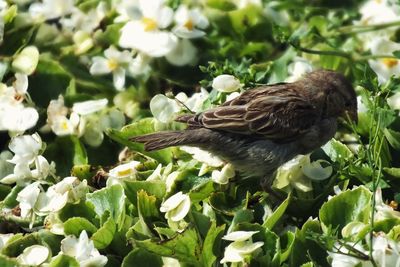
(53, 241)
(75, 225)
(4, 191)
(184, 247)
(16, 247)
(50, 80)
(241, 216)
(7, 262)
(83, 172)
(63, 260)
(103, 237)
(394, 172)
(349, 206)
(394, 233)
(396, 53)
(141, 258)
(155, 188)
(80, 209)
(110, 199)
(271, 221)
(337, 151)
(80, 156)
(141, 127)
(305, 249)
(66, 151)
(148, 211)
(287, 241)
(393, 138)
(211, 244)
(11, 200)
(224, 5)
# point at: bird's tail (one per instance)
(162, 140)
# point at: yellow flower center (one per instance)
(112, 64)
(149, 24)
(124, 172)
(64, 125)
(390, 62)
(378, 1)
(189, 25)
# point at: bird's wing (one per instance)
(275, 112)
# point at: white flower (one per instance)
(14, 116)
(184, 53)
(299, 171)
(50, 9)
(245, 3)
(384, 67)
(170, 262)
(139, 65)
(176, 207)
(90, 106)
(83, 42)
(379, 11)
(203, 156)
(54, 224)
(386, 252)
(298, 68)
(82, 250)
(4, 239)
(189, 23)
(383, 211)
(241, 247)
(69, 189)
(315, 171)
(126, 170)
(226, 83)
(27, 198)
(17, 118)
(146, 34)
(86, 22)
(394, 101)
(163, 108)
(26, 148)
(57, 119)
(223, 176)
(27, 60)
(341, 258)
(114, 62)
(290, 174)
(33, 255)
(127, 10)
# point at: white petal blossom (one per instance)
(83, 250)
(34, 255)
(176, 207)
(26, 61)
(384, 67)
(146, 34)
(226, 83)
(241, 246)
(190, 23)
(115, 62)
(90, 106)
(223, 176)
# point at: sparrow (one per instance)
(266, 126)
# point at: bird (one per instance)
(268, 125)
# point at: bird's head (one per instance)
(340, 99)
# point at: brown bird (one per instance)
(266, 126)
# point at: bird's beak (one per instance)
(351, 115)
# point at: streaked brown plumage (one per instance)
(268, 125)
